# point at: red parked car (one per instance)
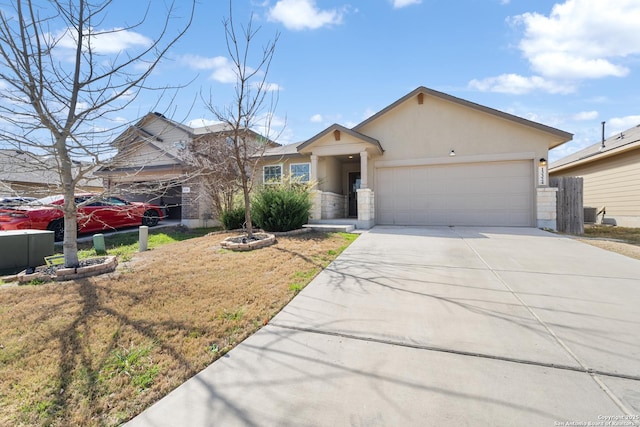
(102, 213)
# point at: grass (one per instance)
(98, 351)
(625, 234)
(124, 245)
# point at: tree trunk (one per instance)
(70, 245)
(69, 208)
(247, 207)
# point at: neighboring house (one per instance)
(427, 159)
(611, 176)
(29, 175)
(151, 166)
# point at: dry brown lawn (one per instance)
(627, 249)
(623, 240)
(98, 351)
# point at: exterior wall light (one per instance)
(452, 152)
(543, 162)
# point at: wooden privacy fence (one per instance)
(569, 205)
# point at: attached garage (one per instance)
(432, 159)
(488, 193)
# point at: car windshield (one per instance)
(45, 201)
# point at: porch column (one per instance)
(316, 195)
(366, 204)
(364, 157)
(313, 176)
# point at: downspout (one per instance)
(603, 209)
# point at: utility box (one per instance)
(589, 215)
(21, 249)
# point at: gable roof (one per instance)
(162, 117)
(616, 144)
(336, 127)
(562, 135)
(137, 133)
(29, 168)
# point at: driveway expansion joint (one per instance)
(581, 369)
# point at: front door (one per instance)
(354, 185)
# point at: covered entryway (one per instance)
(490, 194)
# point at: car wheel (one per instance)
(57, 227)
(150, 218)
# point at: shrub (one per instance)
(281, 207)
(232, 219)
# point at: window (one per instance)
(300, 172)
(272, 174)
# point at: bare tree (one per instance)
(252, 107)
(59, 83)
(210, 154)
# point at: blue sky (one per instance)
(567, 64)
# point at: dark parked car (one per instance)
(101, 213)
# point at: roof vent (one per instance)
(602, 144)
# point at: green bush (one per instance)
(281, 207)
(232, 219)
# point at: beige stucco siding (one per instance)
(414, 131)
(614, 183)
(329, 175)
(285, 162)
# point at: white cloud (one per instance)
(368, 113)
(120, 120)
(268, 87)
(578, 40)
(517, 85)
(303, 15)
(198, 62)
(111, 41)
(200, 123)
(273, 127)
(566, 66)
(397, 4)
(581, 38)
(316, 118)
(224, 70)
(585, 116)
(620, 124)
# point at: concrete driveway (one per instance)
(437, 326)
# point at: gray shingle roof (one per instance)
(283, 150)
(630, 138)
(29, 168)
